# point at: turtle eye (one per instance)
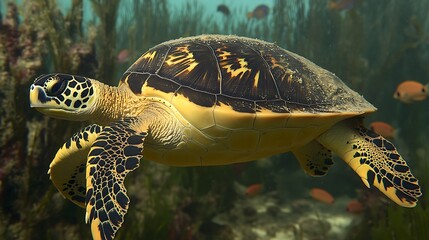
(398, 94)
(56, 86)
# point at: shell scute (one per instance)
(162, 84)
(277, 106)
(135, 81)
(192, 65)
(244, 72)
(204, 99)
(152, 59)
(237, 104)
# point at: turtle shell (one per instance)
(213, 79)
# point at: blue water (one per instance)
(209, 7)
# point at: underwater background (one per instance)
(373, 46)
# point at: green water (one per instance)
(372, 47)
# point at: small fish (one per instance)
(254, 190)
(321, 195)
(355, 206)
(260, 12)
(341, 5)
(123, 56)
(384, 129)
(411, 91)
(223, 9)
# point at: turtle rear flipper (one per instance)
(374, 159)
(67, 170)
(314, 158)
(116, 152)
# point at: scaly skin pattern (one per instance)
(374, 159)
(116, 152)
(314, 158)
(67, 170)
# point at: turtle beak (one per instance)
(39, 99)
(37, 96)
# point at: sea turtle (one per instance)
(210, 100)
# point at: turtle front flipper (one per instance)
(67, 170)
(374, 159)
(314, 158)
(115, 153)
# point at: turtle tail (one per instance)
(374, 159)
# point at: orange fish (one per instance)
(254, 190)
(259, 12)
(411, 91)
(384, 129)
(354, 206)
(322, 195)
(341, 5)
(123, 56)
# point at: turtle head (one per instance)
(63, 96)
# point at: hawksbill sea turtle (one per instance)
(210, 100)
